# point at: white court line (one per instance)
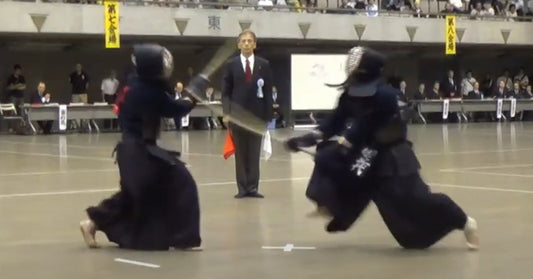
(474, 152)
(58, 156)
(110, 158)
(492, 173)
(56, 172)
(480, 188)
(281, 158)
(137, 263)
(91, 191)
(487, 167)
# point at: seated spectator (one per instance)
(448, 9)
(501, 91)
(487, 9)
(372, 8)
(434, 94)
(477, 12)
(420, 93)
(403, 92)
(40, 96)
(457, 5)
(515, 93)
(475, 94)
(527, 94)
(499, 7)
(518, 6)
(265, 5)
(417, 11)
(511, 14)
(360, 5)
(347, 8)
(392, 5)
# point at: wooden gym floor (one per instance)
(46, 182)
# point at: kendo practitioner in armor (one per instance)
(157, 207)
(372, 160)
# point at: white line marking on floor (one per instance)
(94, 158)
(57, 172)
(137, 263)
(480, 188)
(474, 152)
(488, 167)
(92, 191)
(287, 248)
(492, 173)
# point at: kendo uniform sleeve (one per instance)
(363, 129)
(174, 108)
(335, 122)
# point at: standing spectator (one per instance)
(507, 80)
(16, 85)
(449, 87)
(247, 83)
(487, 85)
(109, 88)
(522, 78)
(467, 85)
(40, 96)
(178, 94)
(403, 92)
(80, 85)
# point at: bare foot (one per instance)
(88, 231)
(320, 211)
(470, 231)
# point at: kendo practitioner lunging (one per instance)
(372, 160)
(157, 207)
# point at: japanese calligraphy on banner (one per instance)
(450, 35)
(111, 18)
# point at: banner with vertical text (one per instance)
(111, 19)
(450, 35)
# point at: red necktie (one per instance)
(248, 72)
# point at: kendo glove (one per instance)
(294, 144)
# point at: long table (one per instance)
(465, 106)
(93, 112)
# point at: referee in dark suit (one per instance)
(247, 82)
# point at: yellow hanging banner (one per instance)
(450, 35)
(111, 19)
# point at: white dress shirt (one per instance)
(109, 86)
(251, 59)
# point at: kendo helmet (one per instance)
(152, 61)
(364, 68)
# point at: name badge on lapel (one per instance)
(260, 83)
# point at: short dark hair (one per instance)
(17, 67)
(247, 31)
